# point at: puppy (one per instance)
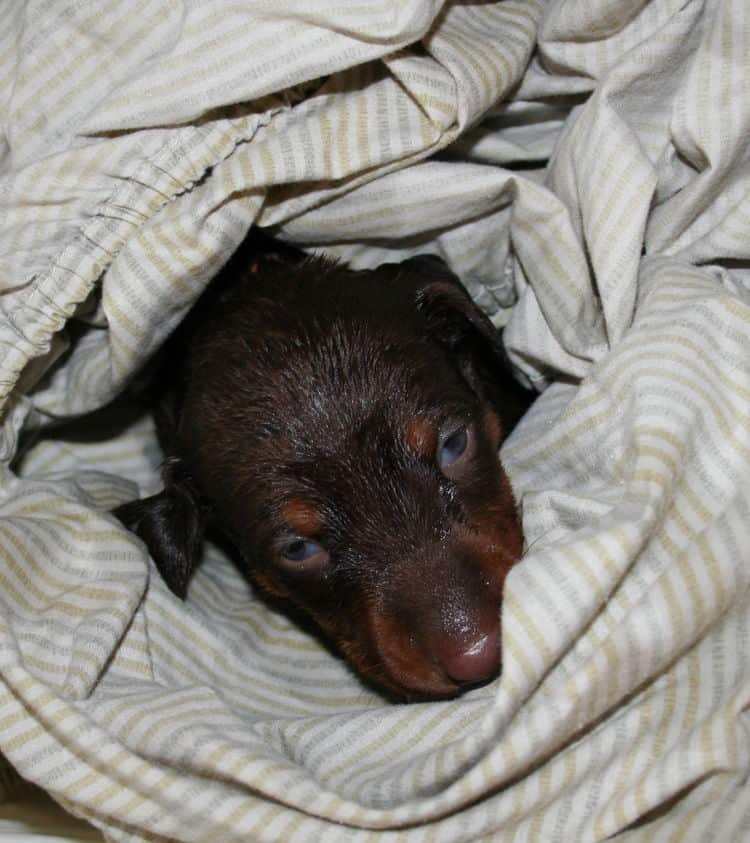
(342, 428)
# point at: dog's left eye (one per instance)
(301, 550)
(453, 447)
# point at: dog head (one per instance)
(342, 428)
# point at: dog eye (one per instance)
(300, 556)
(300, 549)
(453, 447)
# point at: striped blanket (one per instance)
(585, 166)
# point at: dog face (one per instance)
(342, 428)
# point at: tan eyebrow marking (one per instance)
(421, 436)
(302, 517)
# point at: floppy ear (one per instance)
(172, 524)
(456, 323)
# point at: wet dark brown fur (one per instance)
(314, 413)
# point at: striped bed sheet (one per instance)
(584, 166)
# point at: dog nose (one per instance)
(473, 660)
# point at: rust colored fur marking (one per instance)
(421, 436)
(302, 517)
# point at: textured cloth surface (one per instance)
(584, 165)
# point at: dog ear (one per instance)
(172, 524)
(456, 323)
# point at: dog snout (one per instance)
(443, 634)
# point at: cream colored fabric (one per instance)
(586, 161)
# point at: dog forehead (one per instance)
(363, 401)
(320, 369)
(343, 427)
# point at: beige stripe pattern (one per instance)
(584, 165)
